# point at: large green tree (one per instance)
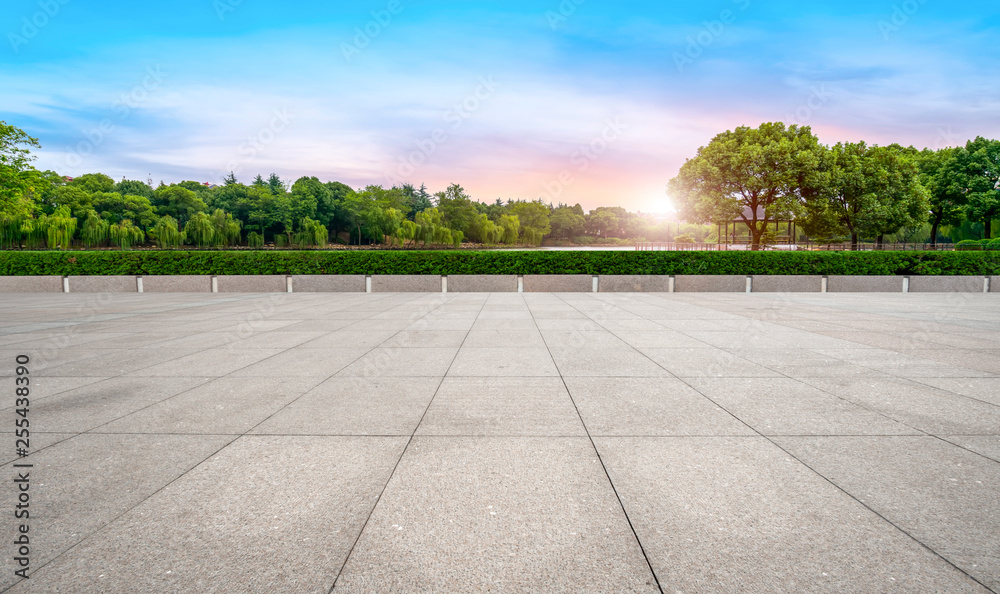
(457, 208)
(19, 181)
(534, 218)
(177, 202)
(946, 193)
(867, 191)
(94, 182)
(566, 223)
(753, 175)
(976, 170)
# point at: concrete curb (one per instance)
(486, 283)
(558, 283)
(482, 283)
(177, 284)
(328, 283)
(406, 283)
(253, 283)
(31, 284)
(634, 284)
(772, 283)
(707, 283)
(102, 284)
(947, 284)
(865, 284)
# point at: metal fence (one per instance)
(801, 246)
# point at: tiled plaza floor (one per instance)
(505, 442)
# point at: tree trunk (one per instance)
(988, 226)
(879, 242)
(934, 229)
(854, 242)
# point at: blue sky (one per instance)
(580, 101)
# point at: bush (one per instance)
(993, 245)
(18, 263)
(969, 245)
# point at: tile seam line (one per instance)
(604, 467)
(823, 477)
(103, 526)
(364, 526)
(164, 486)
(847, 493)
(211, 379)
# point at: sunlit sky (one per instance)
(583, 101)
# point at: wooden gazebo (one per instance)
(788, 238)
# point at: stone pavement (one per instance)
(506, 442)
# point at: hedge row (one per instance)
(13, 263)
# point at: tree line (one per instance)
(849, 191)
(44, 209)
(755, 176)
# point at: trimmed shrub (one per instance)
(969, 245)
(17, 263)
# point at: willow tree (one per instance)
(59, 228)
(200, 229)
(510, 227)
(255, 240)
(125, 234)
(311, 233)
(167, 233)
(753, 175)
(227, 229)
(94, 231)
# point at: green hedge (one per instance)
(15, 263)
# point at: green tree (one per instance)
(200, 229)
(307, 195)
(977, 172)
(177, 202)
(227, 229)
(457, 208)
(755, 175)
(125, 234)
(510, 229)
(867, 190)
(277, 186)
(19, 181)
(534, 220)
(375, 212)
(94, 182)
(166, 233)
(946, 192)
(334, 211)
(604, 222)
(117, 208)
(94, 231)
(418, 200)
(133, 187)
(59, 228)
